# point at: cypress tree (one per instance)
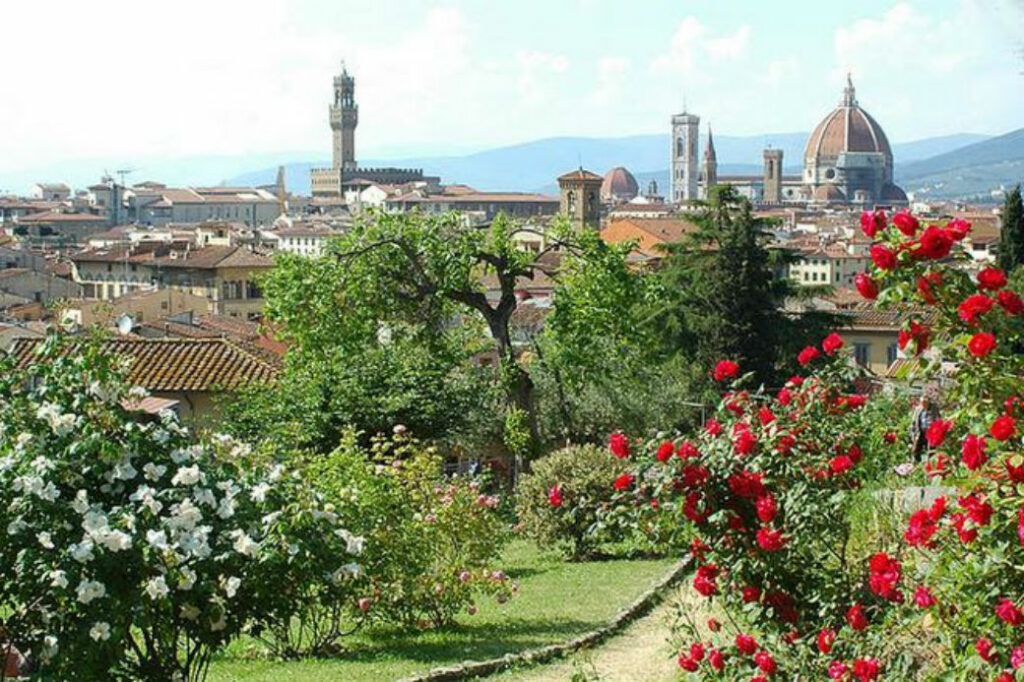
(1011, 236)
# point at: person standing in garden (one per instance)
(924, 415)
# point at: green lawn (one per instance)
(557, 601)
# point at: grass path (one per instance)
(640, 653)
(557, 601)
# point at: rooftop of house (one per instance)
(172, 365)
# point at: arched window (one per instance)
(570, 202)
(679, 146)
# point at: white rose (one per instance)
(89, 590)
(187, 580)
(154, 472)
(189, 612)
(81, 503)
(231, 586)
(244, 544)
(259, 492)
(58, 579)
(157, 588)
(82, 552)
(187, 476)
(157, 539)
(117, 541)
(100, 632)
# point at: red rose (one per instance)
(624, 482)
(926, 286)
(765, 662)
(1003, 677)
(665, 451)
(697, 651)
(784, 397)
(921, 529)
(837, 670)
(767, 508)
(744, 442)
(808, 355)
(906, 223)
(978, 511)
(750, 594)
(958, 229)
(889, 437)
(747, 485)
(704, 580)
(687, 450)
(694, 476)
(746, 644)
(716, 660)
(765, 415)
(936, 243)
(687, 663)
(974, 456)
(866, 286)
(832, 343)
(619, 445)
(726, 369)
(984, 648)
(840, 464)
(981, 344)
(918, 333)
(1003, 428)
(769, 539)
(937, 431)
(991, 279)
(885, 576)
(1016, 473)
(872, 222)
(856, 618)
(883, 257)
(865, 669)
(1009, 613)
(1010, 301)
(825, 640)
(555, 496)
(714, 625)
(924, 598)
(786, 443)
(713, 428)
(974, 307)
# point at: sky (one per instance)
(121, 77)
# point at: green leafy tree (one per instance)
(436, 273)
(1011, 237)
(602, 365)
(351, 365)
(724, 291)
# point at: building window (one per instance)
(891, 353)
(861, 353)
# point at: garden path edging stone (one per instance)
(640, 606)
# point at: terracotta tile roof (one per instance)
(210, 257)
(54, 217)
(869, 317)
(580, 174)
(167, 365)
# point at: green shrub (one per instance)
(583, 475)
(432, 540)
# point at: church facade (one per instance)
(847, 161)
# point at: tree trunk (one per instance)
(517, 384)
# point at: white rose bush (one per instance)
(133, 550)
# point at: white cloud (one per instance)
(538, 73)
(611, 77)
(779, 71)
(693, 41)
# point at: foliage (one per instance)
(353, 365)
(130, 551)
(760, 498)
(600, 363)
(721, 296)
(967, 550)
(560, 503)
(432, 540)
(1011, 236)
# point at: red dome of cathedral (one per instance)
(619, 186)
(848, 128)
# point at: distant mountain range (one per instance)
(972, 171)
(960, 165)
(533, 166)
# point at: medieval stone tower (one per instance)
(772, 176)
(709, 171)
(684, 157)
(344, 118)
(581, 198)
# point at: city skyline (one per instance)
(437, 78)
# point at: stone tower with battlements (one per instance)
(344, 114)
(685, 129)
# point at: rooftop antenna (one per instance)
(123, 172)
